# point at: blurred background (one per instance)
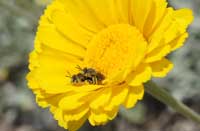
(19, 112)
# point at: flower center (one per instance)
(116, 51)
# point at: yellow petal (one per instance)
(112, 113)
(87, 88)
(32, 82)
(75, 125)
(118, 96)
(183, 17)
(76, 115)
(173, 24)
(158, 53)
(180, 21)
(33, 56)
(156, 37)
(100, 116)
(100, 98)
(122, 7)
(59, 115)
(97, 118)
(141, 75)
(50, 37)
(178, 42)
(53, 77)
(140, 12)
(73, 101)
(51, 99)
(104, 10)
(161, 68)
(87, 19)
(55, 37)
(40, 99)
(155, 15)
(69, 28)
(135, 93)
(42, 103)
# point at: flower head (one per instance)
(92, 56)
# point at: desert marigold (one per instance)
(92, 56)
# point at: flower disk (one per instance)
(92, 56)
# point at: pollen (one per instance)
(116, 49)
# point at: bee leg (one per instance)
(94, 79)
(90, 81)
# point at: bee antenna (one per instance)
(69, 74)
(78, 67)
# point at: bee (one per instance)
(87, 75)
(92, 76)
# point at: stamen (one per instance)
(119, 48)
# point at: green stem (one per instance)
(165, 97)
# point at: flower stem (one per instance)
(165, 97)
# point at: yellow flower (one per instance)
(92, 56)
